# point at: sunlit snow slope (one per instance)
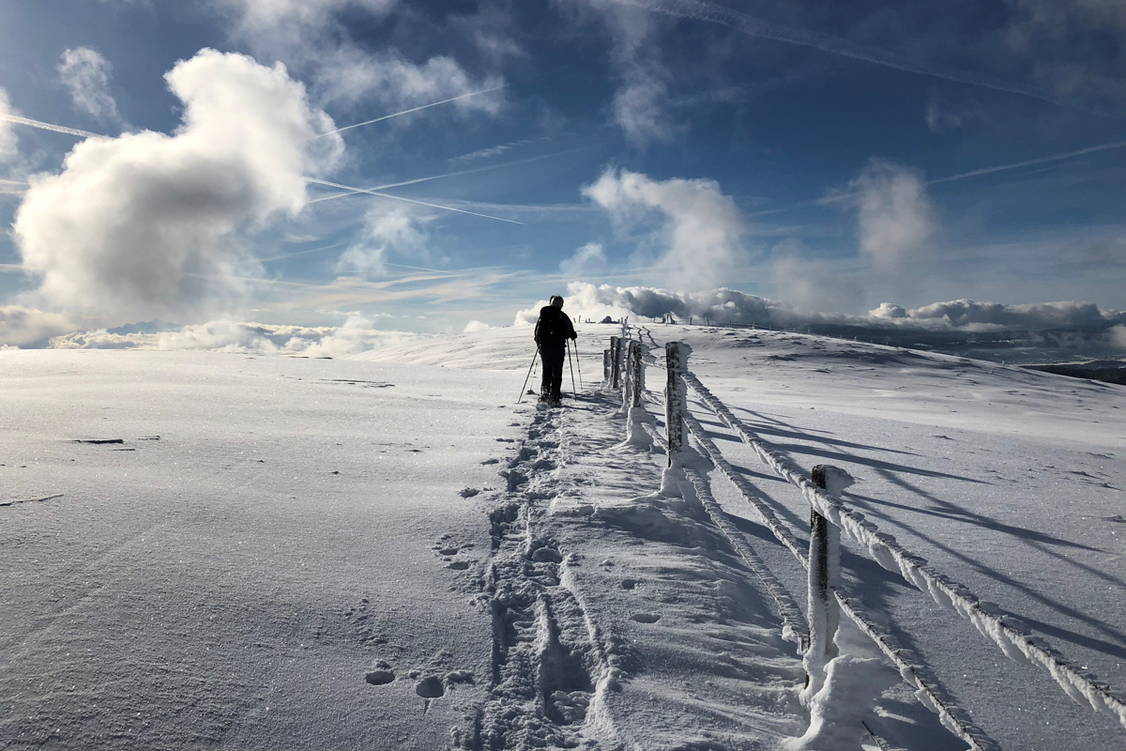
(386, 552)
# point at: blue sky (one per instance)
(834, 156)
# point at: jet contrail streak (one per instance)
(49, 126)
(744, 23)
(841, 197)
(1029, 162)
(458, 173)
(409, 200)
(412, 109)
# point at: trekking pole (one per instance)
(578, 362)
(572, 367)
(525, 386)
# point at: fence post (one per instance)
(824, 576)
(676, 400)
(637, 372)
(605, 367)
(615, 362)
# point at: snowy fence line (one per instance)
(1003, 628)
(828, 517)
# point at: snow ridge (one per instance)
(994, 623)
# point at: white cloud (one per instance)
(351, 75)
(640, 103)
(701, 230)
(85, 72)
(143, 226)
(474, 327)
(388, 230)
(639, 106)
(588, 259)
(310, 36)
(23, 327)
(895, 217)
(8, 144)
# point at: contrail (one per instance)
(49, 126)
(698, 10)
(1029, 162)
(473, 171)
(843, 196)
(412, 109)
(409, 200)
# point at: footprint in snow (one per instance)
(646, 617)
(380, 677)
(430, 687)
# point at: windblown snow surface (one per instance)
(206, 550)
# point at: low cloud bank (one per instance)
(1054, 324)
(354, 336)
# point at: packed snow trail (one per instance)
(622, 619)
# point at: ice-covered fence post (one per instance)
(605, 366)
(615, 362)
(676, 403)
(824, 576)
(636, 372)
(636, 434)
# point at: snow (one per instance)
(386, 552)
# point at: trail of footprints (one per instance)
(547, 664)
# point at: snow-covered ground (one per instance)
(385, 552)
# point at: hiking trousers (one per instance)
(552, 356)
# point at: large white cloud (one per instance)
(701, 230)
(143, 226)
(85, 72)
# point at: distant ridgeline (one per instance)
(1111, 371)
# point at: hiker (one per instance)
(553, 329)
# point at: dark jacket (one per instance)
(554, 328)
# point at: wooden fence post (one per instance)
(636, 372)
(605, 366)
(824, 576)
(676, 395)
(615, 362)
(676, 401)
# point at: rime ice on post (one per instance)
(824, 577)
(605, 367)
(676, 402)
(615, 362)
(636, 435)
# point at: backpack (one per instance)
(550, 328)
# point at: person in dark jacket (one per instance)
(553, 330)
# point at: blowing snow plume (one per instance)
(143, 226)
